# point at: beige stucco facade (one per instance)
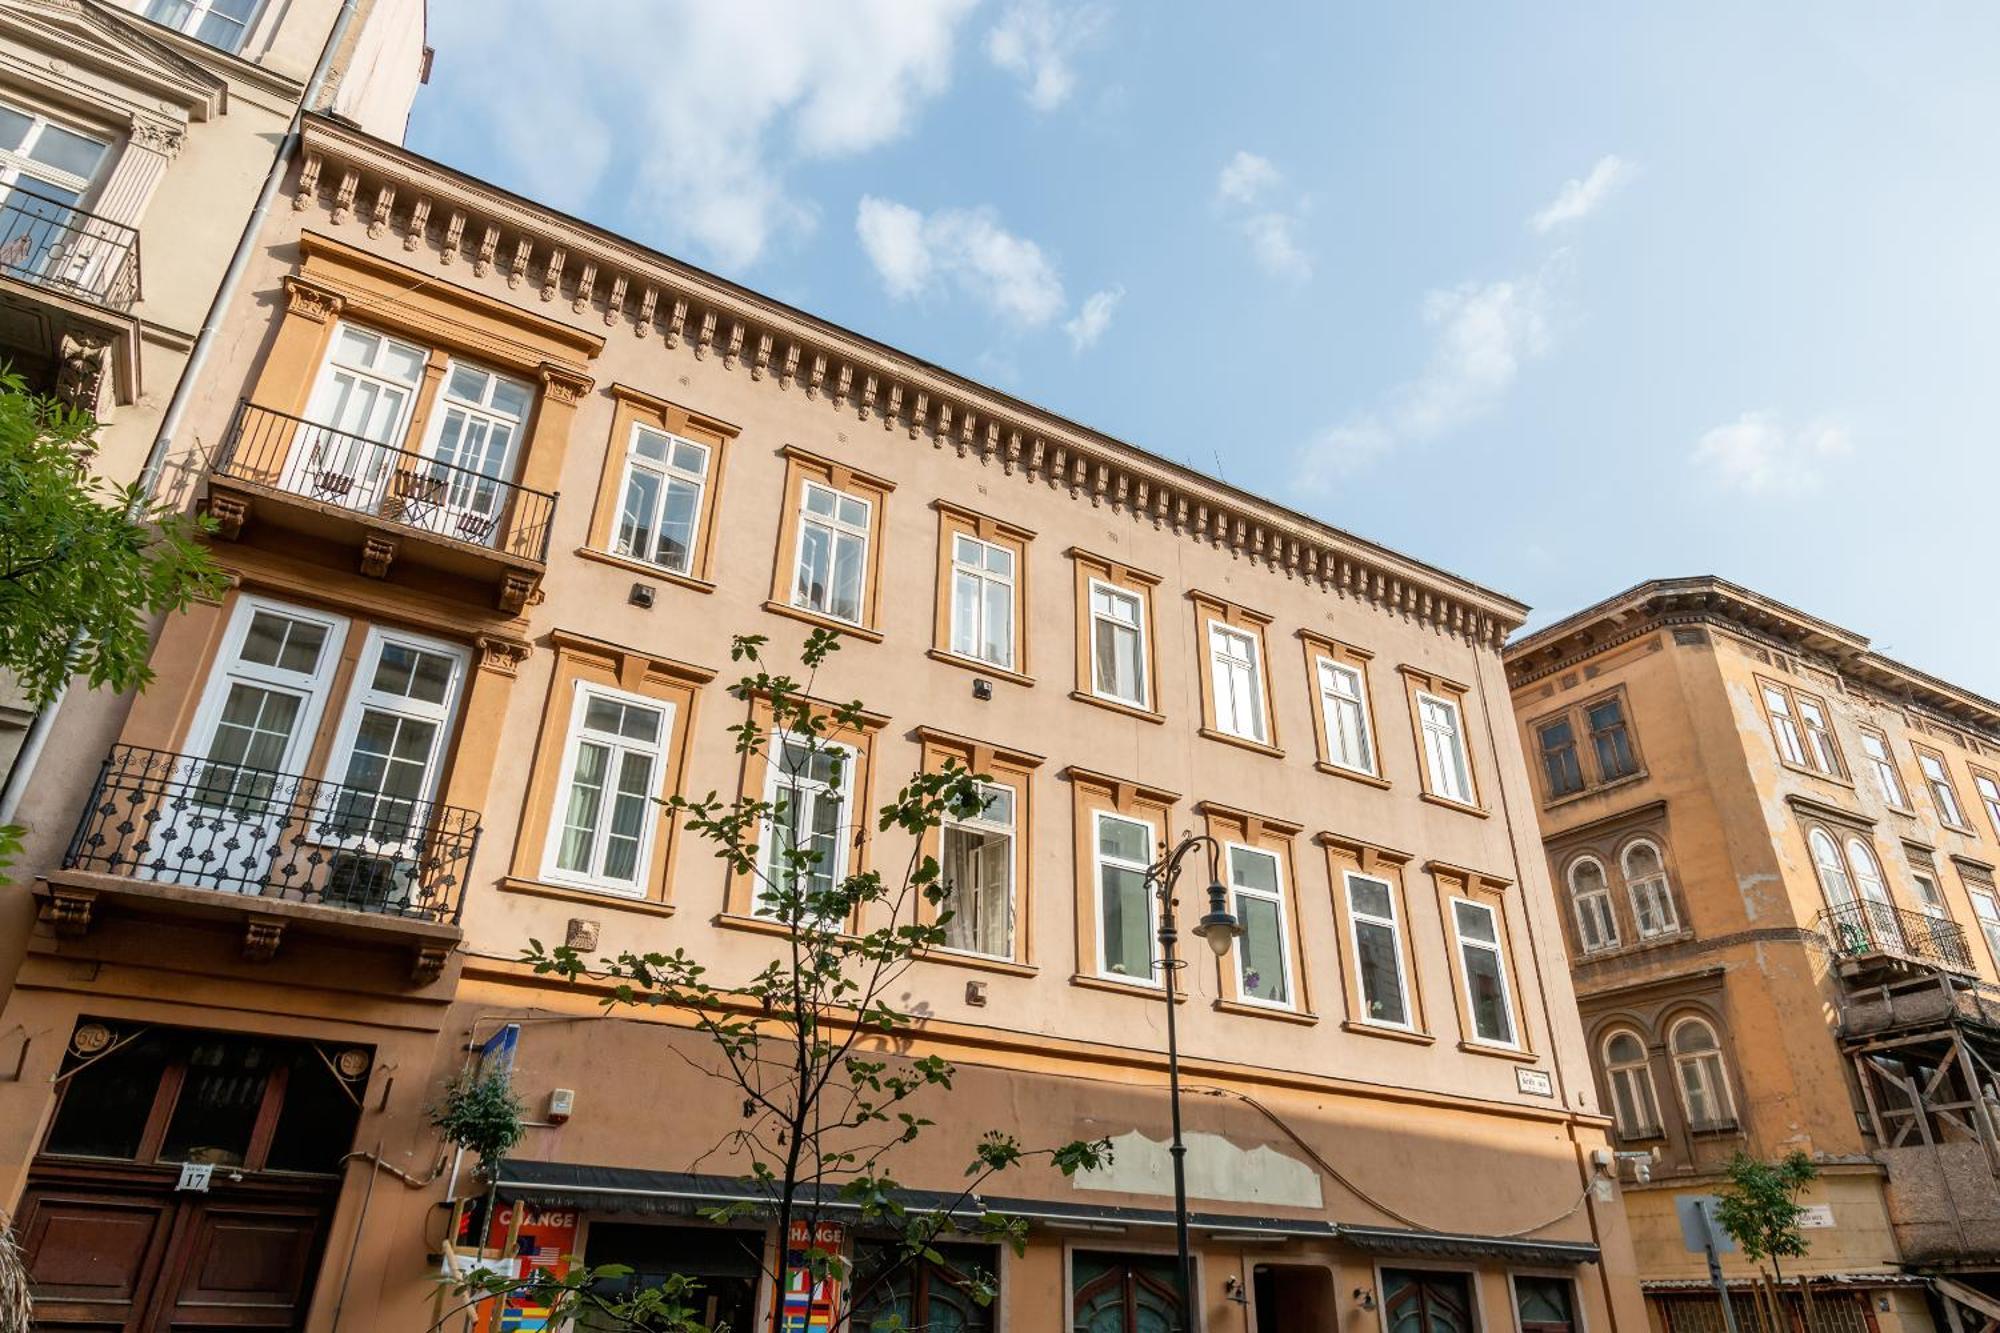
(1353, 1148)
(1816, 911)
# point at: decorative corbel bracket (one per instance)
(261, 936)
(70, 912)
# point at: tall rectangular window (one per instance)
(256, 723)
(1483, 968)
(978, 873)
(1443, 730)
(1938, 779)
(1821, 750)
(222, 24)
(1784, 727)
(1263, 954)
(1378, 950)
(1875, 748)
(1343, 697)
(1560, 765)
(1117, 644)
(1611, 739)
(982, 600)
(1988, 788)
(612, 768)
(832, 561)
(1986, 910)
(808, 783)
(392, 740)
(1238, 682)
(1122, 850)
(659, 512)
(1929, 897)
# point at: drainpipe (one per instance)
(37, 737)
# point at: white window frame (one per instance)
(229, 668)
(983, 577)
(1836, 881)
(1098, 861)
(190, 24)
(1930, 894)
(1434, 738)
(581, 693)
(1721, 1093)
(499, 485)
(1638, 1075)
(837, 529)
(1498, 949)
(1822, 750)
(361, 696)
(1331, 699)
(1657, 889)
(16, 162)
(1944, 792)
(1987, 788)
(776, 777)
(1607, 916)
(1986, 912)
(1394, 923)
(1009, 829)
(1223, 670)
(1229, 850)
(1785, 730)
(1143, 698)
(666, 474)
(1875, 748)
(361, 453)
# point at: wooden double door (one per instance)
(140, 1256)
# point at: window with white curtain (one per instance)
(1651, 893)
(1343, 695)
(1833, 878)
(1875, 747)
(1117, 644)
(1590, 897)
(604, 818)
(977, 869)
(1443, 727)
(1629, 1075)
(1698, 1068)
(1237, 681)
(832, 558)
(659, 511)
(982, 600)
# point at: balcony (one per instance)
(68, 282)
(198, 837)
(391, 504)
(1867, 937)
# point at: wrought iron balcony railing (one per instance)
(61, 247)
(203, 823)
(1866, 929)
(411, 490)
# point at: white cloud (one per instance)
(690, 112)
(1038, 43)
(1581, 196)
(1244, 190)
(1092, 318)
(1245, 177)
(1759, 455)
(916, 254)
(1483, 334)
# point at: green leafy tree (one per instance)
(84, 563)
(1760, 1208)
(799, 1042)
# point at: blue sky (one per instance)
(1559, 297)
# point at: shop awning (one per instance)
(682, 1194)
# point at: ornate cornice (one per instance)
(454, 219)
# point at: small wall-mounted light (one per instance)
(1364, 1298)
(982, 688)
(641, 596)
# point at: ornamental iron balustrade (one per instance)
(1868, 929)
(411, 490)
(204, 823)
(66, 249)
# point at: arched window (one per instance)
(1630, 1078)
(1832, 870)
(1698, 1068)
(1876, 911)
(1652, 896)
(1590, 894)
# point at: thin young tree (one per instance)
(1760, 1210)
(811, 1044)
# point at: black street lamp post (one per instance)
(1220, 928)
